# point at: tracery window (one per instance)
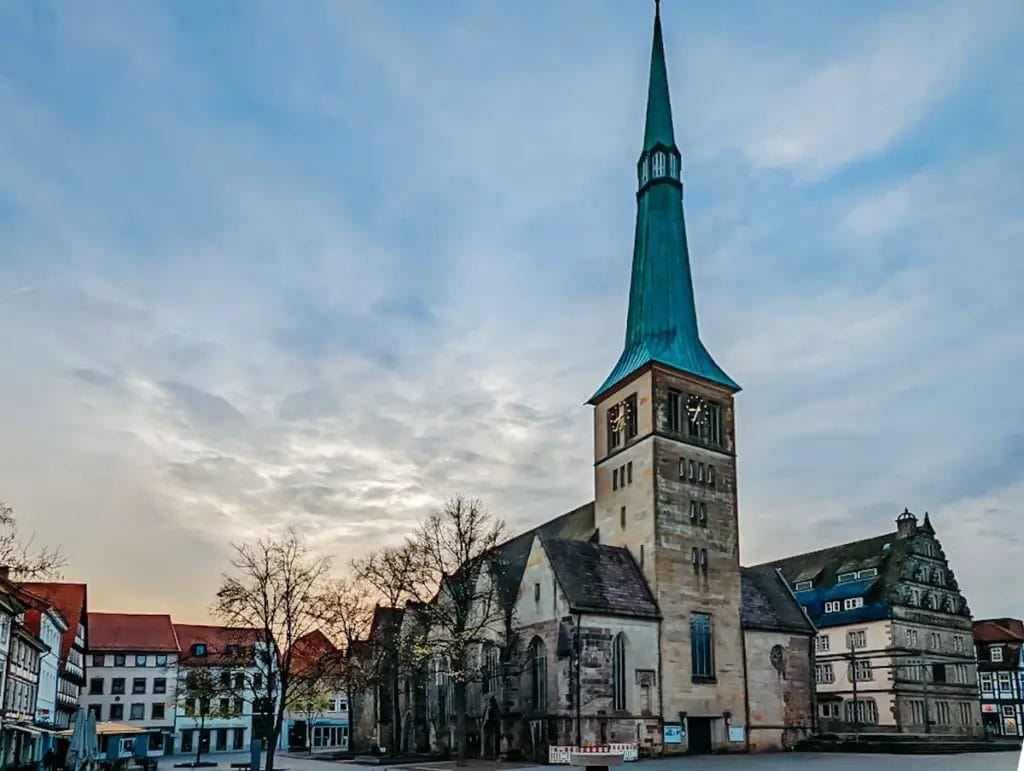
(619, 672)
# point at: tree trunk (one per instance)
(276, 726)
(460, 720)
(199, 738)
(396, 715)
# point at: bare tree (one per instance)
(274, 586)
(22, 557)
(471, 605)
(396, 575)
(347, 613)
(199, 694)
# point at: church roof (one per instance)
(597, 578)
(577, 524)
(768, 604)
(661, 324)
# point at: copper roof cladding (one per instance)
(132, 632)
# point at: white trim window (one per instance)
(822, 643)
(857, 639)
(852, 603)
(995, 653)
(800, 586)
(823, 673)
(832, 606)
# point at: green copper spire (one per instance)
(658, 129)
(662, 321)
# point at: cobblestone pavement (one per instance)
(796, 761)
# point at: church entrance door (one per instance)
(699, 729)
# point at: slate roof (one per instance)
(70, 600)
(769, 605)
(577, 524)
(132, 632)
(597, 578)
(886, 553)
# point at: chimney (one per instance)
(906, 524)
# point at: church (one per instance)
(637, 625)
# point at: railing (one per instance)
(561, 755)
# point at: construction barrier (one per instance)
(561, 755)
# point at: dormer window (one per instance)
(868, 573)
(844, 577)
(199, 649)
(644, 174)
(658, 165)
(801, 586)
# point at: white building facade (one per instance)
(240, 662)
(132, 674)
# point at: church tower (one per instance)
(664, 451)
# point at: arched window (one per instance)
(538, 675)
(658, 165)
(619, 672)
(643, 172)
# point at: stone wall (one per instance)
(682, 589)
(780, 688)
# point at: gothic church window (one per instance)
(673, 166)
(619, 672)
(538, 675)
(643, 172)
(702, 654)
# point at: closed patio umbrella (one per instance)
(78, 750)
(92, 739)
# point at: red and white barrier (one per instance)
(560, 755)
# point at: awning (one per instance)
(110, 728)
(25, 728)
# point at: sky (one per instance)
(326, 264)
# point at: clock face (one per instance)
(697, 409)
(618, 415)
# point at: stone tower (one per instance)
(664, 451)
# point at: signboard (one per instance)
(736, 733)
(989, 708)
(673, 733)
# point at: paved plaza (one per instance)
(797, 761)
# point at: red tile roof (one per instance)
(999, 630)
(311, 650)
(70, 600)
(132, 632)
(216, 638)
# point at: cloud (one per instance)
(325, 268)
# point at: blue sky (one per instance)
(324, 264)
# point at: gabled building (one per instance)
(631, 616)
(317, 716)
(894, 646)
(45, 623)
(241, 659)
(70, 600)
(999, 643)
(20, 736)
(132, 665)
